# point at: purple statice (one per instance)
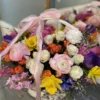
(91, 60)
(67, 83)
(4, 72)
(15, 83)
(90, 29)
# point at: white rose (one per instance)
(54, 23)
(45, 56)
(48, 39)
(60, 35)
(78, 58)
(71, 17)
(31, 66)
(29, 63)
(76, 72)
(74, 36)
(72, 50)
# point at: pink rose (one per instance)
(81, 25)
(61, 63)
(18, 51)
(95, 20)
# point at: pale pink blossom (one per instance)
(61, 63)
(80, 25)
(18, 51)
(95, 20)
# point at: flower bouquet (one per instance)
(51, 54)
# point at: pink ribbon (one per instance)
(34, 24)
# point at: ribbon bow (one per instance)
(34, 24)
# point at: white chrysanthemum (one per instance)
(60, 35)
(72, 50)
(45, 56)
(31, 66)
(71, 17)
(48, 39)
(54, 23)
(78, 58)
(74, 36)
(76, 72)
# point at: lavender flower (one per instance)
(67, 83)
(7, 38)
(15, 83)
(91, 60)
(90, 29)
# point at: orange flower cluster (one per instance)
(54, 48)
(3, 45)
(93, 36)
(46, 73)
(17, 70)
(66, 43)
(22, 62)
(7, 58)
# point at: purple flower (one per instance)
(90, 29)
(47, 30)
(7, 38)
(91, 60)
(67, 83)
(83, 15)
(80, 16)
(13, 35)
(20, 86)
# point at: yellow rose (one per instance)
(31, 42)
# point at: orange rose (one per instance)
(46, 73)
(22, 62)
(12, 70)
(54, 48)
(19, 69)
(7, 58)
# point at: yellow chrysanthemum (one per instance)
(94, 73)
(51, 84)
(31, 42)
